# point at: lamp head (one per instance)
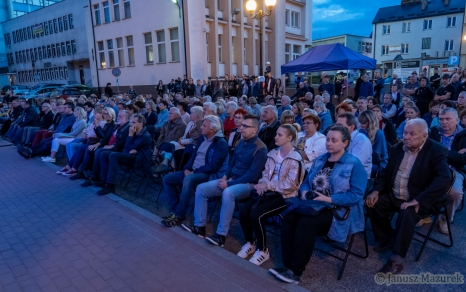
(270, 3)
(251, 6)
(175, 1)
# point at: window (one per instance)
(40, 53)
(29, 32)
(295, 19)
(162, 55)
(61, 73)
(175, 44)
(63, 49)
(100, 46)
(97, 15)
(25, 34)
(451, 21)
(426, 43)
(65, 22)
(367, 47)
(427, 24)
(116, 10)
(60, 24)
(46, 28)
(406, 27)
(111, 56)
(73, 47)
(49, 51)
(385, 49)
(65, 72)
(220, 48)
(44, 51)
(36, 54)
(287, 17)
(54, 51)
(386, 29)
(68, 47)
(287, 53)
(55, 25)
(58, 50)
(404, 48)
(14, 37)
(51, 26)
(449, 45)
(130, 44)
(106, 12)
(149, 48)
(296, 51)
(121, 52)
(70, 19)
(219, 6)
(127, 7)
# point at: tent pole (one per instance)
(347, 81)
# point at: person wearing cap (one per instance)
(30, 117)
(446, 90)
(45, 122)
(268, 68)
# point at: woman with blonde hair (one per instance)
(65, 138)
(287, 118)
(151, 115)
(370, 127)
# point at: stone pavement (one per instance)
(58, 236)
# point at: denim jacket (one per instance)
(348, 183)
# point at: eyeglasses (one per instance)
(246, 126)
(308, 123)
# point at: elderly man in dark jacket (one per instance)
(269, 117)
(45, 122)
(206, 163)
(173, 129)
(29, 118)
(136, 154)
(414, 184)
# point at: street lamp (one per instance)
(251, 6)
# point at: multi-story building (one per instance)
(360, 44)
(49, 44)
(417, 35)
(13, 8)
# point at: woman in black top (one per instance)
(151, 115)
(423, 96)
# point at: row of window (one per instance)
(36, 2)
(41, 29)
(427, 24)
(111, 56)
(111, 11)
(292, 18)
(404, 48)
(57, 73)
(44, 52)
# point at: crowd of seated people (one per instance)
(308, 161)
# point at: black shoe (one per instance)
(172, 221)
(199, 231)
(98, 183)
(87, 183)
(79, 175)
(391, 267)
(383, 247)
(276, 271)
(107, 189)
(216, 239)
(27, 152)
(288, 276)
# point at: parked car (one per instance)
(42, 85)
(15, 89)
(41, 92)
(65, 92)
(83, 89)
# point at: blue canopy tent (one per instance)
(329, 57)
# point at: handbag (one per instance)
(92, 140)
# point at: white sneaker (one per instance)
(246, 250)
(48, 159)
(44, 157)
(442, 225)
(260, 257)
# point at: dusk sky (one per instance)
(331, 18)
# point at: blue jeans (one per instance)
(114, 160)
(78, 156)
(18, 136)
(229, 196)
(73, 146)
(96, 167)
(179, 204)
(11, 132)
(28, 134)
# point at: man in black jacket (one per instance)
(269, 127)
(116, 143)
(453, 137)
(386, 126)
(414, 184)
(30, 118)
(45, 122)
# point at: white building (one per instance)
(418, 34)
(49, 45)
(360, 44)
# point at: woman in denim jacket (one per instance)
(336, 178)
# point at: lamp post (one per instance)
(251, 6)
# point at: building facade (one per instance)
(418, 35)
(49, 45)
(360, 44)
(143, 38)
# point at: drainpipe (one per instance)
(184, 38)
(95, 49)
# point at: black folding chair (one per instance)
(444, 211)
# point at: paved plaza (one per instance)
(58, 236)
